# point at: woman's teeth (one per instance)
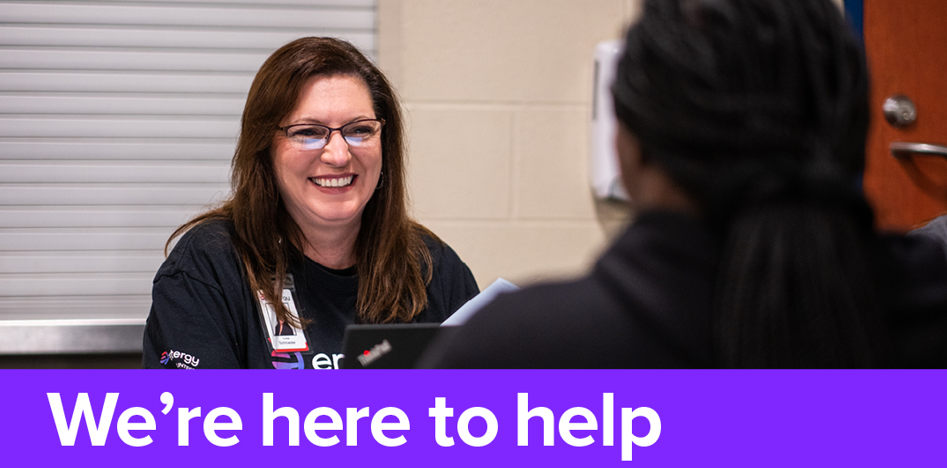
(339, 182)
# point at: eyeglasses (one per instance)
(313, 137)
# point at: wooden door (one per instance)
(906, 44)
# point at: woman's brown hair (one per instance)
(392, 261)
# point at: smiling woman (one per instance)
(316, 235)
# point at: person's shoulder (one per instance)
(913, 277)
(554, 307)
(441, 253)
(434, 244)
(447, 265)
(203, 249)
(209, 237)
(567, 324)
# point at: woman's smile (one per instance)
(328, 181)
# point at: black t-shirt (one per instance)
(647, 304)
(203, 314)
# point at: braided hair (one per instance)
(758, 109)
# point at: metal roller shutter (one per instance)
(117, 124)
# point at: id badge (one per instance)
(283, 337)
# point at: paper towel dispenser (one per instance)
(604, 173)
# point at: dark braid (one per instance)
(758, 109)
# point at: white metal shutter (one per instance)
(117, 124)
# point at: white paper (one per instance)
(500, 286)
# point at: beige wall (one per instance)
(498, 94)
(498, 97)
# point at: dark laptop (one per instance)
(396, 346)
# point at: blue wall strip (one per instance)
(854, 12)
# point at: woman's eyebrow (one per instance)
(313, 120)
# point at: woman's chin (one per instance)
(333, 217)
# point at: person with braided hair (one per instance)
(741, 141)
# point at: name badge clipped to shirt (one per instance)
(282, 335)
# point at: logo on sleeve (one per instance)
(180, 360)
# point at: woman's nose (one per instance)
(336, 152)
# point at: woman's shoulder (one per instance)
(208, 237)
(206, 249)
(441, 253)
(451, 279)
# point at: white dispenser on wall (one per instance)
(604, 173)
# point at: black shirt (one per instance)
(203, 314)
(647, 304)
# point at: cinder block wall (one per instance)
(498, 94)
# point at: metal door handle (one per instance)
(903, 150)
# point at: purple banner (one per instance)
(473, 418)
